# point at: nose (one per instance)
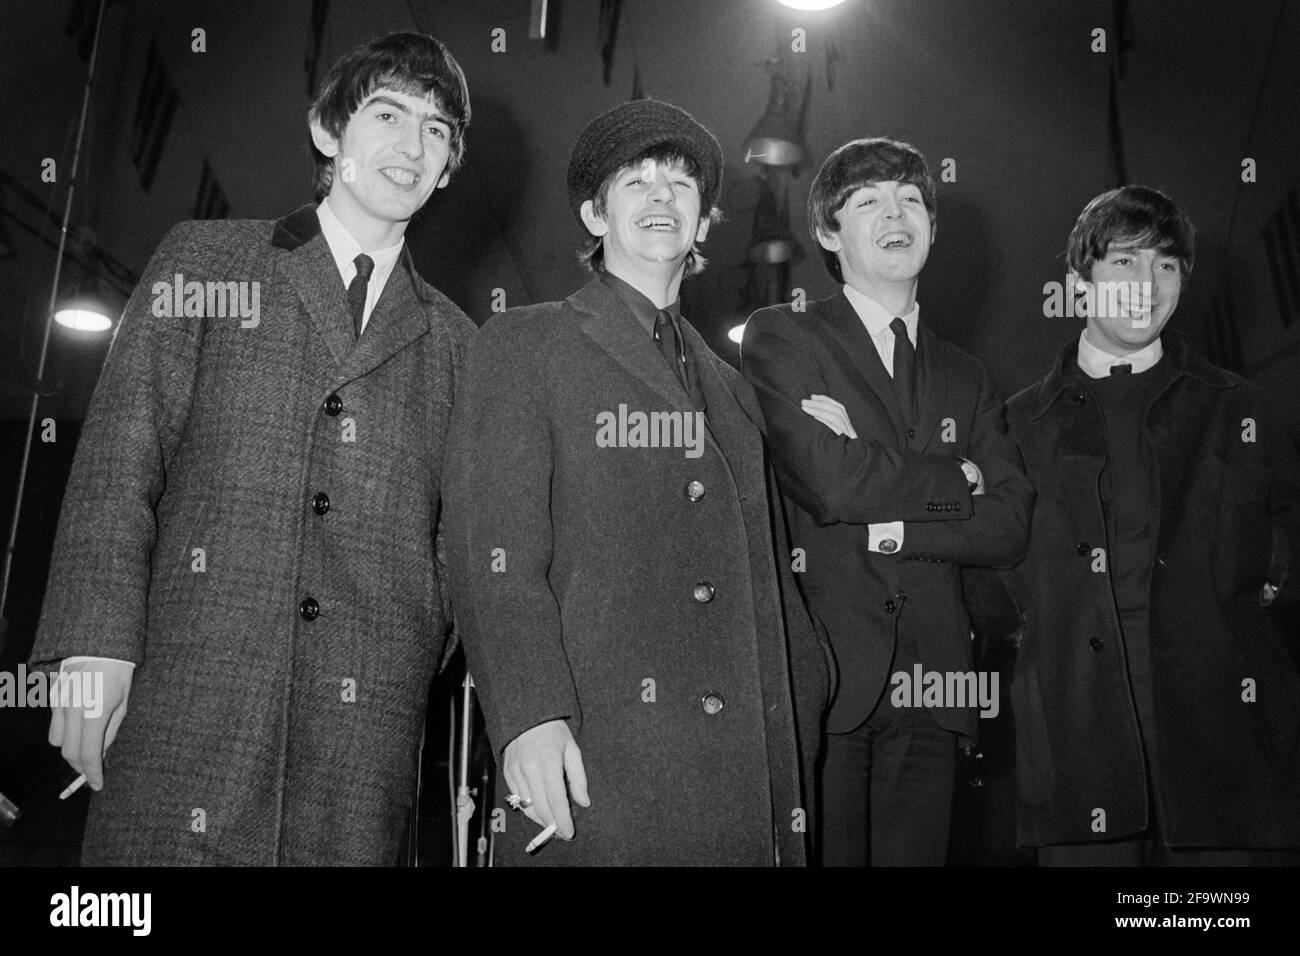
(890, 207)
(661, 190)
(410, 141)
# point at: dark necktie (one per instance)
(1124, 369)
(904, 368)
(357, 291)
(671, 348)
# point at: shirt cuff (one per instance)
(81, 660)
(886, 537)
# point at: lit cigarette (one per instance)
(73, 787)
(540, 838)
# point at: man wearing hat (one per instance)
(651, 682)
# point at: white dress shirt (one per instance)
(345, 248)
(1097, 364)
(876, 318)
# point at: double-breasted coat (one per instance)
(251, 519)
(640, 593)
(1226, 694)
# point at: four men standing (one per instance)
(252, 548)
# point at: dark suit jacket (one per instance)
(836, 486)
(575, 570)
(206, 434)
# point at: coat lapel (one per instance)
(853, 339)
(309, 267)
(599, 310)
(399, 318)
(931, 385)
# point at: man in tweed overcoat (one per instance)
(627, 607)
(249, 531)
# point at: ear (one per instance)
(324, 141)
(596, 225)
(830, 241)
(703, 229)
(446, 178)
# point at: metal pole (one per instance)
(464, 803)
(49, 313)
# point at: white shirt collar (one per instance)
(345, 248)
(1097, 364)
(877, 318)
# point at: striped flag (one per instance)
(154, 110)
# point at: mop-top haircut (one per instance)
(1136, 216)
(863, 162)
(412, 63)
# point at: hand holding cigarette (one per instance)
(536, 765)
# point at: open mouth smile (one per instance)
(660, 223)
(404, 178)
(892, 241)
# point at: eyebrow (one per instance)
(403, 108)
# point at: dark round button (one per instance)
(888, 546)
(890, 606)
(712, 703)
(695, 490)
(1095, 643)
(333, 404)
(704, 592)
(911, 433)
(1079, 398)
(309, 609)
(320, 503)
(1083, 549)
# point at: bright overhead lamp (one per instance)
(84, 318)
(810, 4)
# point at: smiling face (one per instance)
(651, 219)
(389, 159)
(1132, 294)
(883, 238)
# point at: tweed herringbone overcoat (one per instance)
(251, 519)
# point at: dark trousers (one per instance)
(887, 790)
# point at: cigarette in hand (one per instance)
(73, 787)
(540, 838)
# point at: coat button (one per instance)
(712, 703)
(1083, 549)
(320, 503)
(309, 609)
(888, 546)
(890, 606)
(1095, 643)
(1079, 398)
(911, 433)
(695, 490)
(704, 592)
(333, 405)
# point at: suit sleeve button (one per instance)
(890, 606)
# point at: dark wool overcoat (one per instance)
(1227, 699)
(638, 593)
(251, 519)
